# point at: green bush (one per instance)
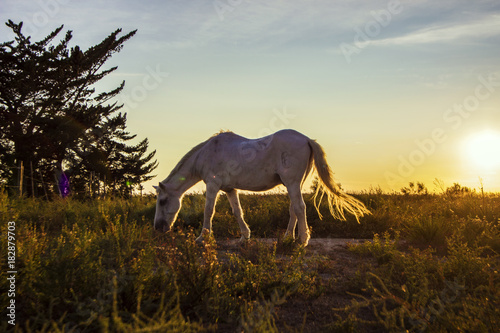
(419, 291)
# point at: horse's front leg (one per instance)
(234, 201)
(210, 200)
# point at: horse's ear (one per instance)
(156, 189)
(162, 186)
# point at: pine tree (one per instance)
(52, 118)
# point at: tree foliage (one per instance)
(52, 118)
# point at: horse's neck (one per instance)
(181, 181)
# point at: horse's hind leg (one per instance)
(234, 200)
(299, 208)
(290, 231)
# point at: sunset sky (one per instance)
(395, 91)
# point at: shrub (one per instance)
(426, 231)
(419, 291)
(99, 266)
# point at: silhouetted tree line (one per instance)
(55, 124)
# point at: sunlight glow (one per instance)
(483, 150)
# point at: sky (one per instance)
(394, 91)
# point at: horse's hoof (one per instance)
(244, 239)
(304, 240)
(204, 236)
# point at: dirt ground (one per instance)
(337, 270)
(317, 246)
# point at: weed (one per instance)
(98, 265)
(419, 291)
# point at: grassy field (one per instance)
(432, 265)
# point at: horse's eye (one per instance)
(163, 201)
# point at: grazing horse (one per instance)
(228, 162)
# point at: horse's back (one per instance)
(285, 135)
(270, 147)
(291, 137)
(233, 161)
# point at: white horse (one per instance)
(228, 162)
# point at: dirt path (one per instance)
(314, 243)
(336, 271)
(317, 246)
(331, 246)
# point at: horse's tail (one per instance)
(338, 201)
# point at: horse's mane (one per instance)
(190, 153)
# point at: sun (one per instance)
(482, 150)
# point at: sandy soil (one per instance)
(322, 246)
(338, 271)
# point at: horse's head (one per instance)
(167, 207)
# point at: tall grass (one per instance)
(417, 291)
(98, 265)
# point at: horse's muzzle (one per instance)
(161, 227)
